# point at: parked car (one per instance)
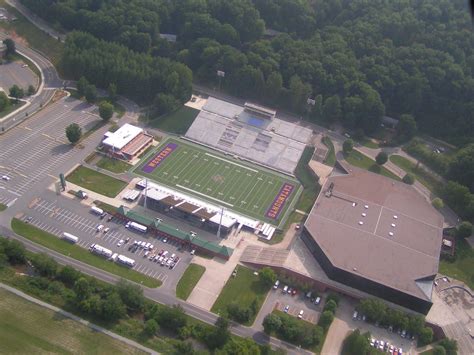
(285, 289)
(290, 290)
(293, 292)
(100, 227)
(287, 308)
(106, 229)
(300, 315)
(354, 316)
(317, 300)
(111, 217)
(5, 177)
(120, 242)
(165, 240)
(146, 254)
(275, 286)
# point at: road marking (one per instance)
(27, 128)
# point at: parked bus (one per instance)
(125, 261)
(99, 250)
(136, 226)
(70, 238)
(96, 210)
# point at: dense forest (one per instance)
(359, 59)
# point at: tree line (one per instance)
(120, 307)
(358, 61)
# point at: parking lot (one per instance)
(16, 73)
(38, 147)
(54, 218)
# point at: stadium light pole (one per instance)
(146, 188)
(220, 223)
(220, 74)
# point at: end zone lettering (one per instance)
(154, 162)
(279, 202)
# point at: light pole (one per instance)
(220, 223)
(220, 74)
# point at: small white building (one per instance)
(127, 142)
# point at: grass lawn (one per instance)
(51, 241)
(331, 156)
(105, 206)
(369, 143)
(113, 165)
(190, 278)
(36, 38)
(221, 179)
(176, 122)
(95, 181)
(463, 267)
(27, 328)
(362, 161)
(305, 175)
(243, 290)
(2, 207)
(420, 174)
(13, 106)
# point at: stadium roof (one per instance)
(380, 229)
(121, 137)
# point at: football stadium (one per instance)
(221, 179)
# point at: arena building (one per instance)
(127, 143)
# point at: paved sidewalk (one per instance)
(77, 319)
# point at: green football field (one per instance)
(221, 179)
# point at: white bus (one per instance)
(98, 211)
(97, 249)
(70, 238)
(125, 261)
(136, 226)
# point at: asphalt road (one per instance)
(15, 73)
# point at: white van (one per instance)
(114, 257)
(285, 289)
(300, 315)
(277, 283)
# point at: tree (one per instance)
(439, 350)
(416, 324)
(106, 110)
(408, 179)
(347, 146)
(82, 289)
(406, 128)
(332, 109)
(426, 336)
(16, 92)
(456, 195)
(68, 275)
(461, 168)
(15, 252)
(112, 307)
(164, 104)
(238, 312)
(450, 345)
(4, 101)
(131, 295)
(151, 327)
(381, 158)
(31, 90)
(464, 230)
(244, 346)
(271, 323)
(219, 335)
(91, 94)
(330, 306)
(183, 348)
(112, 90)
(317, 110)
(73, 133)
(82, 85)
(356, 343)
(11, 47)
(273, 86)
(44, 265)
(326, 319)
(437, 203)
(172, 318)
(267, 276)
(374, 309)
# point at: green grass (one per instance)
(31, 329)
(95, 181)
(176, 122)
(311, 186)
(220, 179)
(50, 241)
(105, 206)
(369, 143)
(243, 290)
(190, 278)
(13, 106)
(419, 173)
(36, 38)
(331, 156)
(2, 207)
(463, 267)
(362, 161)
(113, 165)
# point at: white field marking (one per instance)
(231, 162)
(212, 198)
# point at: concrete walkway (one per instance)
(77, 319)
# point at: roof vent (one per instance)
(364, 214)
(395, 217)
(390, 234)
(361, 223)
(393, 225)
(366, 207)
